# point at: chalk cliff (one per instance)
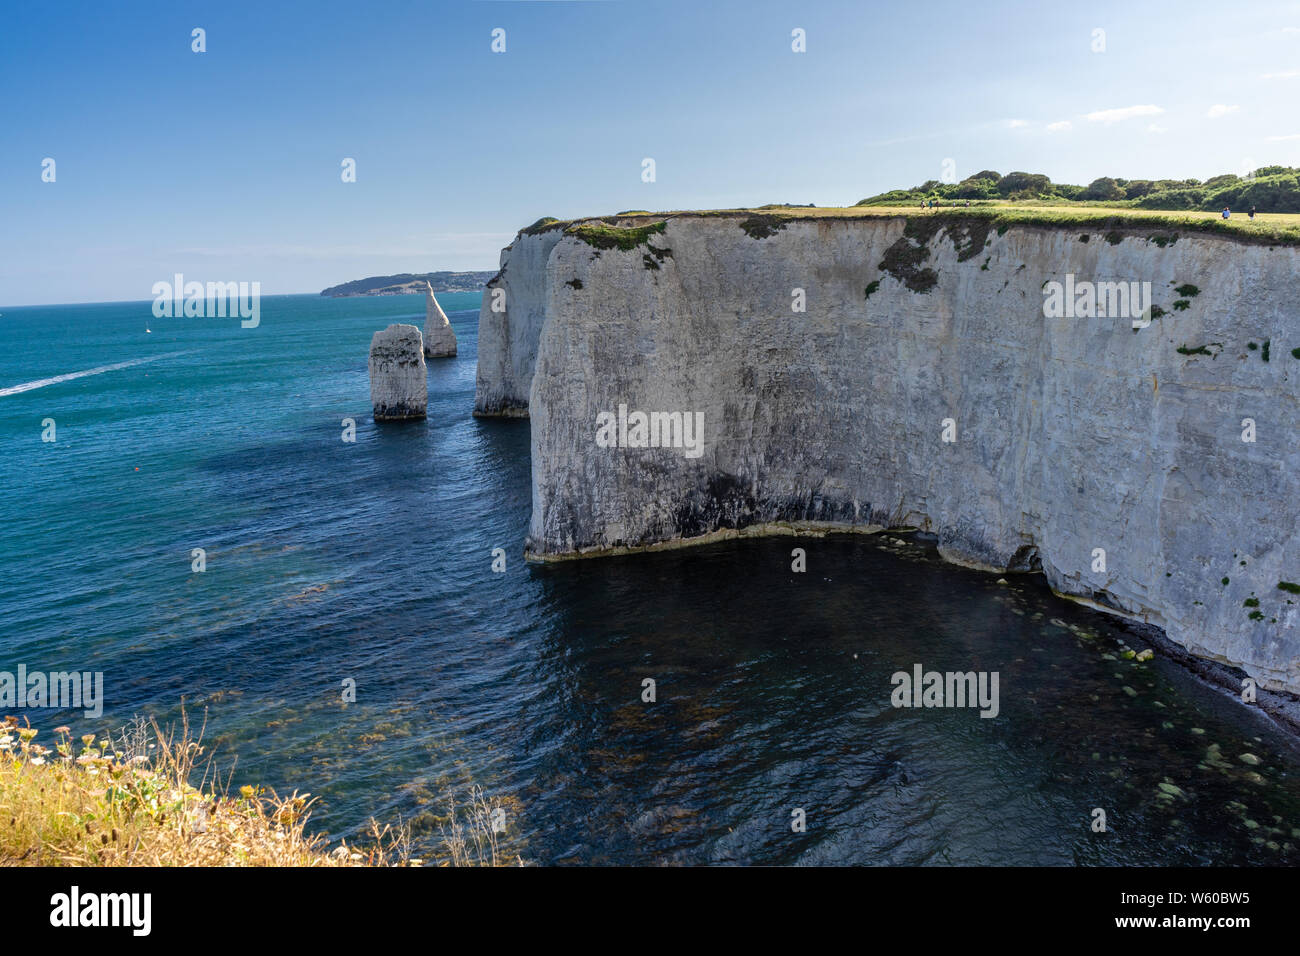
(1098, 451)
(439, 336)
(510, 323)
(399, 383)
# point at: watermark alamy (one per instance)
(56, 690)
(637, 429)
(216, 300)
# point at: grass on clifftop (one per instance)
(1280, 229)
(146, 799)
(604, 236)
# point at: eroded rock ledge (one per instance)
(1073, 436)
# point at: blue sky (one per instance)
(225, 165)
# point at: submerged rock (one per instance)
(439, 336)
(399, 384)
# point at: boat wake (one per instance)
(42, 382)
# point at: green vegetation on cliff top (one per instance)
(1115, 224)
(1157, 210)
(604, 236)
(1270, 189)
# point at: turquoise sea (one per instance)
(329, 561)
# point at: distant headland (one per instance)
(409, 283)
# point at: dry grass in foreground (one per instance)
(135, 801)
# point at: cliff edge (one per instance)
(855, 374)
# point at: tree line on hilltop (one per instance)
(1269, 189)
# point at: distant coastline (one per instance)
(408, 283)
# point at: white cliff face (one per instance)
(399, 384)
(510, 323)
(1100, 452)
(439, 336)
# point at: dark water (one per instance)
(372, 561)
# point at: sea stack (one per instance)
(439, 336)
(399, 384)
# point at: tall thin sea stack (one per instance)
(399, 384)
(439, 336)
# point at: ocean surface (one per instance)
(371, 561)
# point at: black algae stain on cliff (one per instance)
(655, 256)
(723, 501)
(904, 259)
(760, 227)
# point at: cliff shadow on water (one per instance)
(702, 697)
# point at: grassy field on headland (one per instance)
(1264, 229)
(1111, 207)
